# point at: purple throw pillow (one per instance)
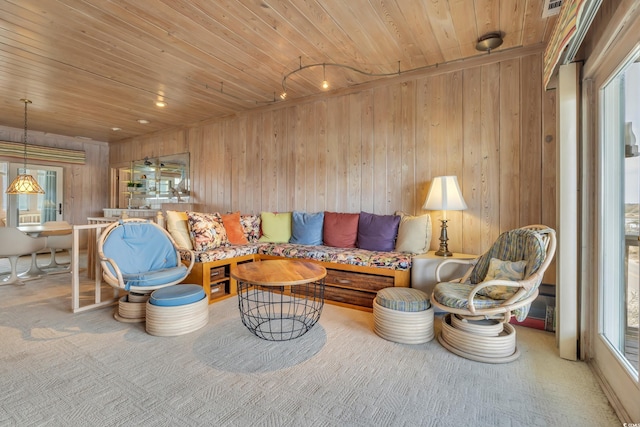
(377, 232)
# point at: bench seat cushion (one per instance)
(223, 252)
(353, 256)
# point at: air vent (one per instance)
(551, 7)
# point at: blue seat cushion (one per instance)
(154, 278)
(403, 299)
(176, 295)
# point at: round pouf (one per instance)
(403, 315)
(177, 310)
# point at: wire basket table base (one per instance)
(280, 313)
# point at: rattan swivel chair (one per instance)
(139, 256)
(498, 285)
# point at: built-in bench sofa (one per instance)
(354, 274)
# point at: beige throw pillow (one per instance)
(178, 227)
(414, 233)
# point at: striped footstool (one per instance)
(403, 315)
(177, 310)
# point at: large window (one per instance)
(620, 202)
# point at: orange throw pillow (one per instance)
(235, 232)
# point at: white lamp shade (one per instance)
(445, 195)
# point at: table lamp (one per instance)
(444, 195)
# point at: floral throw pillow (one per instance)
(251, 226)
(503, 270)
(207, 231)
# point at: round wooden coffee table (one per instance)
(280, 300)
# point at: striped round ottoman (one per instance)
(177, 310)
(403, 315)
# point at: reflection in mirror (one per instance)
(149, 182)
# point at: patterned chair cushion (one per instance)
(403, 299)
(514, 245)
(455, 295)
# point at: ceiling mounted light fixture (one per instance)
(25, 183)
(143, 121)
(161, 104)
(325, 83)
(489, 41)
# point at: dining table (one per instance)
(38, 230)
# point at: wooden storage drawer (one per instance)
(218, 290)
(349, 279)
(216, 274)
(349, 296)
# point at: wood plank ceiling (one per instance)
(90, 66)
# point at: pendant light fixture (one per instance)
(25, 183)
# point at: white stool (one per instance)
(403, 315)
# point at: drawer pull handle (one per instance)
(216, 273)
(214, 290)
(344, 281)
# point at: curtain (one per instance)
(49, 204)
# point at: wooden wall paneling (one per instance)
(393, 191)
(367, 171)
(323, 170)
(229, 138)
(254, 164)
(548, 214)
(472, 173)
(423, 148)
(196, 174)
(436, 138)
(382, 115)
(355, 153)
(377, 149)
(408, 149)
(333, 156)
(300, 147)
(239, 174)
(269, 163)
(453, 141)
(531, 140)
(310, 169)
(509, 146)
(337, 151)
(490, 140)
(285, 158)
(212, 144)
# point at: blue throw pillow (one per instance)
(377, 232)
(306, 228)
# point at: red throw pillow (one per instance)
(235, 231)
(340, 229)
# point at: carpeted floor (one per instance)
(86, 369)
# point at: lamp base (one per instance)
(443, 250)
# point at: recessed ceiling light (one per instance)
(161, 104)
(143, 121)
(116, 129)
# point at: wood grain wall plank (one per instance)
(531, 141)
(472, 186)
(509, 152)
